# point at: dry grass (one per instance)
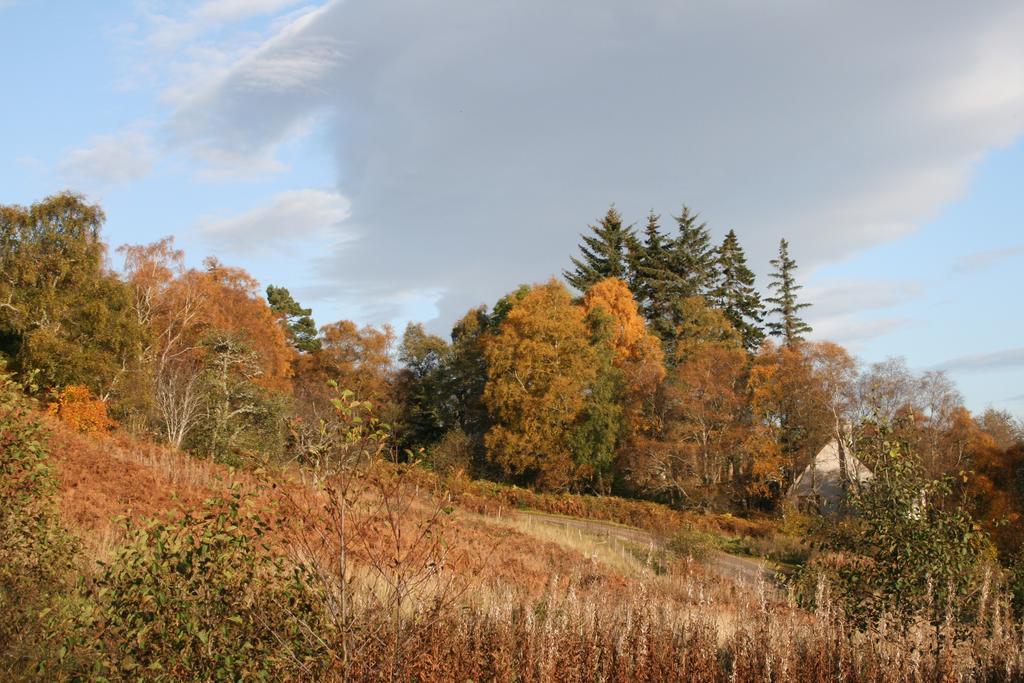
(512, 599)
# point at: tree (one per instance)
(691, 258)
(734, 292)
(601, 424)
(694, 325)
(789, 326)
(296, 320)
(705, 398)
(788, 404)
(540, 364)
(239, 417)
(183, 308)
(636, 352)
(647, 261)
(466, 374)
(913, 552)
(602, 254)
(63, 313)
(420, 387)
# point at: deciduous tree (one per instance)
(540, 363)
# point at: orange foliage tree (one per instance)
(705, 400)
(184, 308)
(637, 352)
(540, 363)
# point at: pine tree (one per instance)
(691, 258)
(647, 262)
(673, 270)
(734, 293)
(295, 319)
(789, 326)
(603, 254)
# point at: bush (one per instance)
(454, 452)
(199, 599)
(78, 407)
(692, 543)
(36, 553)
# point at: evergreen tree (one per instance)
(671, 271)
(691, 258)
(296, 320)
(647, 261)
(789, 326)
(734, 293)
(603, 254)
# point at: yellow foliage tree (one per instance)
(540, 363)
(637, 352)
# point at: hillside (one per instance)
(505, 596)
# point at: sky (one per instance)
(410, 159)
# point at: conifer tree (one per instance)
(734, 293)
(691, 258)
(789, 326)
(296, 320)
(647, 262)
(671, 271)
(602, 254)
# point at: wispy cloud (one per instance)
(236, 10)
(289, 216)
(980, 260)
(986, 362)
(842, 297)
(110, 160)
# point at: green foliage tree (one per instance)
(240, 417)
(465, 376)
(670, 272)
(603, 254)
(914, 551)
(600, 425)
(734, 293)
(62, 311)
(296, 320)
(426, 408)
(789, 326)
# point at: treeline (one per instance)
(666, 375)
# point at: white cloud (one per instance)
(462, 145)
(110, 160)
(288, 217)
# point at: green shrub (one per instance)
(692, 543)
(36, 553)
(452, 453)
(200, 599)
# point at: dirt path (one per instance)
(743, 569)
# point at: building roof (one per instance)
(820, 485)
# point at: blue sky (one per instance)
(407, 160)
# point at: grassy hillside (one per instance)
(184, 569)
